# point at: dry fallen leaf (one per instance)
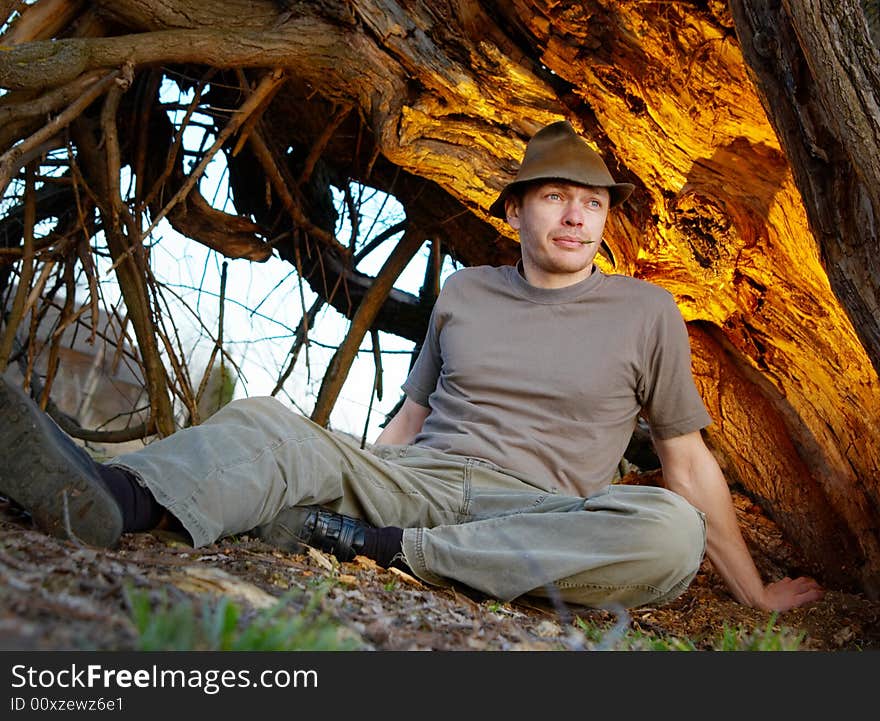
(205, 579)
(321, 558)
(365, 562)
(407, 578)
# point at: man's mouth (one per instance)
(568, 240)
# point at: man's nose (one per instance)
(574, 215)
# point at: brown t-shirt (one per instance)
(549, 382)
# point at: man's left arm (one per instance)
(690, 469)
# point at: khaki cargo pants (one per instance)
(466, 520)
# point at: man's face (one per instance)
(560, 227)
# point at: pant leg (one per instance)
(651, 543)
(466, 521)
(255, 457)
(628, 545)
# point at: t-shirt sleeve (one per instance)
(422, 379)
(668, 394)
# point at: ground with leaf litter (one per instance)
(59, 595)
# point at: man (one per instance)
(496, 471)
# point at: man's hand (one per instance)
(790, 593)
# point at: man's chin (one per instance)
(571, 269)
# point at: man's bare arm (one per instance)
(406, 424)
(690, 469)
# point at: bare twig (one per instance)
(55, 344)
(379, 239)
(377, 383)
(300, 339)
(268, 86)
(147, 92)
(321, 144)
(363, 319)
(377, 361)
(83, 247)
(354, 217)
(379, 213)
(178, 141)
(123, 435)
(39, 285)
(10, 160)
(49, 102)
(281, 184)
(176, 357)
(253, 121)
(27, 270)
(218, 343)
(307, 320)
(166, 288)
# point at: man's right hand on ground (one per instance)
(791, 593)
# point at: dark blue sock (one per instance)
(140, 510)
(384, 546)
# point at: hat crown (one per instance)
(557, 152)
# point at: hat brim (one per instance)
(619, 192)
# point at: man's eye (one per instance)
(554, 196)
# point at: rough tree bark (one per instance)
(769, 247)
(825, 108)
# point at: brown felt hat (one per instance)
(556, 152)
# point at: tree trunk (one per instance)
(822, 97)
(764, 230)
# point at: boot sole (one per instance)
(64, 497)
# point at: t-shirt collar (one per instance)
(551, 296)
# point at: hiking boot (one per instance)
(299, 526)
(53, 479)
